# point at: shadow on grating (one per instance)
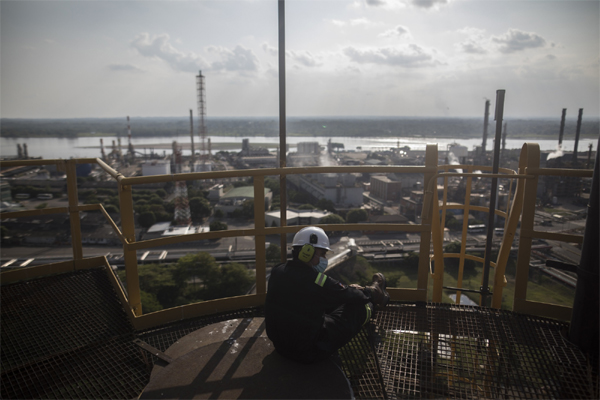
(443, 350)
(67, 336)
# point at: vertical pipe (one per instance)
(577, 136)
(485, 131)
(562, 128)
(73, 211)
(499, 115)
(584, 328)
(282, 128)
(431, 161)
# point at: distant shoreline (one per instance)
(355, 127)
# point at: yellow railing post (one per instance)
(131, 267)
(531, 162)
(510, 227)
(259, 239)
(431, 161)
(70, 167)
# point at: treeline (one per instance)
(193, 278)
(334, 127)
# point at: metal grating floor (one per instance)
(66, 336)
(443, 350)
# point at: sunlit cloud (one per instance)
(408, 56)
(516, 40)
(396, 4)
(238, 59)
(305, 58)
(355, 22)
(397, 32)
(159, 47)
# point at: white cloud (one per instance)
(516, 40)
(159, 47)
(271, 50)
(397, 32)
(238, 59)
(408, 56)
(304, 58)
(365, 22)
(396, 4)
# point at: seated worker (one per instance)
(309, 315)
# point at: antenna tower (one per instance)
(182, 206)
(201, 115)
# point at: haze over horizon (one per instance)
(370, 58)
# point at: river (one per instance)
(89, 147)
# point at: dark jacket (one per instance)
(298, 297)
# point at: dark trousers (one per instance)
(341, 325)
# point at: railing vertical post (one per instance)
(532, 162)
(282, 127)
(431, 161)
(259, 240)
(510, 227)
(131, 267)
(73, 211)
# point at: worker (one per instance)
(310, 315)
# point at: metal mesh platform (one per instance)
(442, 350)
(67, 336)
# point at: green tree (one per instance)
(149, 302)
(306, 207)
(332, 219)
(41, 206)
(233, 280)
(158, 281)
(217, 226)
(273, 253)
(200, 208)
(324, 204)
(219, 213)
(247, 210)
(111, 209)
(357, 215)
(147, 219)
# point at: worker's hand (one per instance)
(355, 286)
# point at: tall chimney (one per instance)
(485, 128)
(577, 136)
(562, 127)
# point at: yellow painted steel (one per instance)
(196, 310)
(431, 159)
(431, 229)
(70, 166)
(530, 158)
(510, 229)
(131, 267)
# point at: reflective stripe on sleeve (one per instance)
(368, 314)
(321, 279)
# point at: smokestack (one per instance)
(485, 127)
(102, 149)
(562, 128)
(25, 153)
(577, 136)
(19, 151)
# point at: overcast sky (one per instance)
(431, 58)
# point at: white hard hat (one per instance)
(312, 235)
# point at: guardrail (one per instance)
(429, 226)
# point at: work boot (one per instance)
(379, 296)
